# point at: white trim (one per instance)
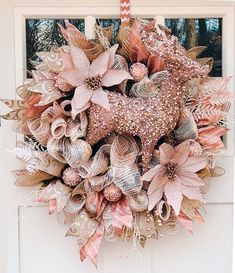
(228, 70)
(110, 12)
(13, 261)
(135, 3)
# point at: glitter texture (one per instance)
(71, 177)
(151, 118)
(112, 193)
(138, 71)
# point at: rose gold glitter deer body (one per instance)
(151, 118)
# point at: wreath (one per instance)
(121, 139)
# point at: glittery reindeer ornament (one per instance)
(154, 117)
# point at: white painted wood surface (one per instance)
(36, 243)
(209, 250)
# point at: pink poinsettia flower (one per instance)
(88, 78)
(175, 176)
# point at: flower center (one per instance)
(171, 170)
(93, 82)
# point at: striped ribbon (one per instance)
(125, 12)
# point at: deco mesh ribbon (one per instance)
(94, 114)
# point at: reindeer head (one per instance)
(159, 40)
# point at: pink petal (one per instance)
(157, 182)
(182, 146)
(100, 97)
(166, 152)
(174, 196)
(148, 176)
(80, 60)
(81, 97)
(67, 59)
(194, 164)
(155, 197)
(112, 51)
(64, 32)
(189, 179)
(182, 152)
(192, 193)
(76, 111)
(102, 63)
(74, 76)
(114, 76)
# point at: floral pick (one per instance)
(89, 78)
(175, 176)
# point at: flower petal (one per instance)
(194, 164)
(103, 62)
(76, 111)
(73, 76)
(81, 97)
(189, 179)
(166, 152)
(112, 51)
(192, 193)
(100, 97)
(80, 60)
(174, 196)
(158, 181)
(155, 197)
(182, 152)
(67, 59)
(148, 176)
(115, 76)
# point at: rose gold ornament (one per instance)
(138, 71)
(71, 177)
(195, 148)
(112, 193)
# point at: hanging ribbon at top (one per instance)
(125, 12)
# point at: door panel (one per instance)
(44, 248)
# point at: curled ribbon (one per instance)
(57, 194)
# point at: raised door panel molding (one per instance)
(221, 190)
(43, 247)
(208, 250)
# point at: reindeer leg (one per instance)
(97, 128)
(147, 153)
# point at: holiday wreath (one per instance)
(121, 139)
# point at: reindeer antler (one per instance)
(159, 41)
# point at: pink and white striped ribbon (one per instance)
(125, 12)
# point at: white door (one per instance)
(32, 241)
